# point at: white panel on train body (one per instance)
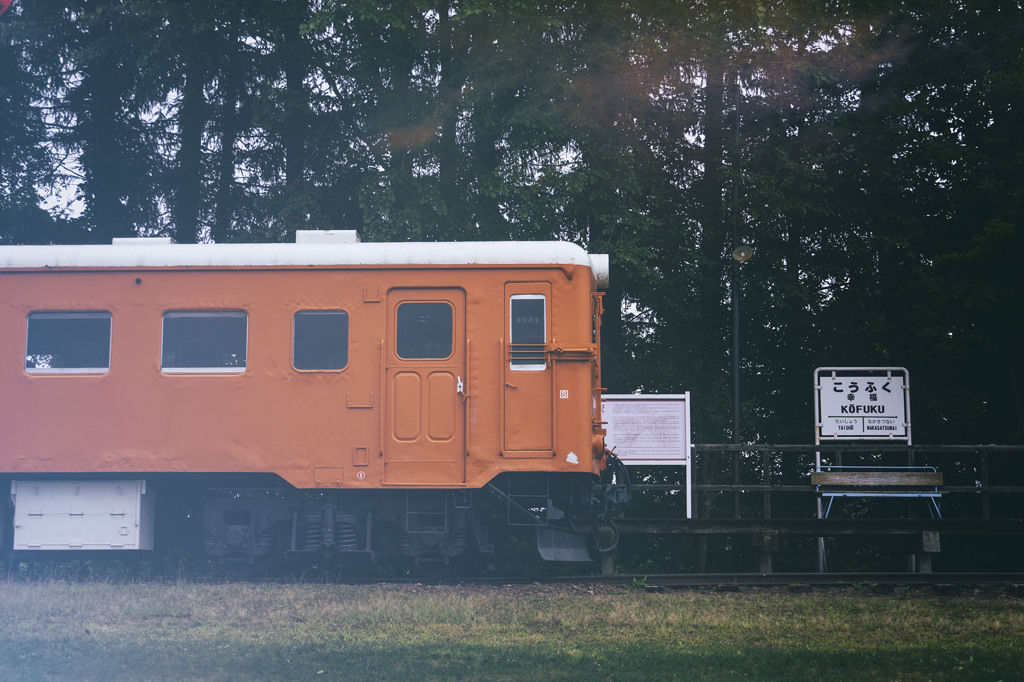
(82, 515)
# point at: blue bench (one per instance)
(870, 481)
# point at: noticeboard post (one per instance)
(650, 430)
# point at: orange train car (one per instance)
(281, 402)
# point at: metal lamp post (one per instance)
(741, 254)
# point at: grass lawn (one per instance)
(159, 631)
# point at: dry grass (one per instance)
(110, 631)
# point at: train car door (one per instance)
(424, 384)
(529, 377)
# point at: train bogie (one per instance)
(380, 394)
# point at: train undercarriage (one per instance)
(258, 525)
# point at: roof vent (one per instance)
(142, 241)
(326, 237)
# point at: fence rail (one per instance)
(979, 480)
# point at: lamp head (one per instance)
(742, 253)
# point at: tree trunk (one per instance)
(448, 106)
(230, 124)
(191, 117)
(295, 129)
(102, 159)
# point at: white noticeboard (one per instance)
(650, 430)
(862, 403)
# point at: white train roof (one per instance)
(312, 248)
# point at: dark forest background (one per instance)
(869, 151)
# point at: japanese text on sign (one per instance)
(648, 430)
(862, 406)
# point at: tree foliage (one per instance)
(869, 152)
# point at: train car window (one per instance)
(527, 332)
(68, 343)
(204, 342)
(424, 331)
(320, 339)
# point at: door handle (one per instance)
(459, 389)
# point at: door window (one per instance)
(424, 331)
(527, 332)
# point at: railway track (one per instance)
(728, 581)
(102, 571)
(815, 579)
(723, 581)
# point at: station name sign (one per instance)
(863, 403)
